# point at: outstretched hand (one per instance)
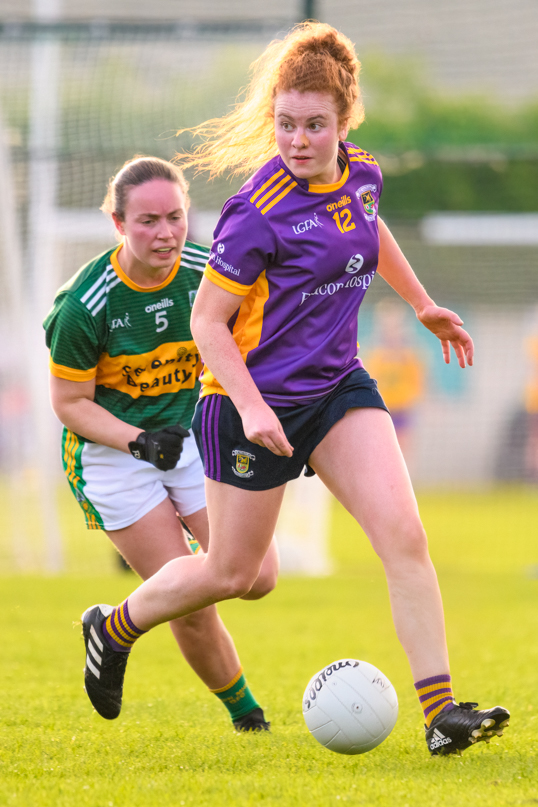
(446, 325)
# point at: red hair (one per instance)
(313, 57)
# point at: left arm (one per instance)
(445, 324)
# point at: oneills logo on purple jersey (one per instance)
(242, 463)
(342, 202)
(366, 195)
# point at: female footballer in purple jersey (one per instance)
(276, 322)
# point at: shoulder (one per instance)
(83, 295)
(194, 256)
(87, 287)
(265, 189)
(358, 155)
(361, 162)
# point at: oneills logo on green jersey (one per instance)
(171, 367)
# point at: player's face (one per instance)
(307, 133)
(155, 225)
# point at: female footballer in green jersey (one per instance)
(124, 382)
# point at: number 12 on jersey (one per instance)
(343, 221)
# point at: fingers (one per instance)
(177, 429)
(469, 350)
(460, 354)
(464, 350)
(276, 441)
(262, 427)
(446, 350)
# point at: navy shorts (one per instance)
(229, 457)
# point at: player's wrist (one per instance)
(421, 305)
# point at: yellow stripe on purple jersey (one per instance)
(302, 256)
(357, 155)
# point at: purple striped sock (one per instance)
(435, 696)
(119, 630)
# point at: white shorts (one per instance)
(115, 490)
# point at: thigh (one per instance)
(198, 524)
(185, 484)
(361, 463)
(242, 524)
(152, 541)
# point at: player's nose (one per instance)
(165, 231)
(301, 140)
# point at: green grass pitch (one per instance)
(173, 743)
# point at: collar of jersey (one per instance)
(132, 285)
(335, 185)
(303, 183)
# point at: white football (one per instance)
(350, 707)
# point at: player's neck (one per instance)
(140, 273)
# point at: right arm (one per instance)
(212, 310)
(75, 348)
(73, 404)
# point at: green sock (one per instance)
(237, 697)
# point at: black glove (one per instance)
(163, 449)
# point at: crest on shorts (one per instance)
(366, 195)
(242, 463)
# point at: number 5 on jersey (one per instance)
(343, 221)
(161, 321)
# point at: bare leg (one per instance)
(242, 525)
(268, 576)
(266, 581)
(362, 465)
(149, 544)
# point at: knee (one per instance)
(236, 584)
(265, 583)
(405, 541)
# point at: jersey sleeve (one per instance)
(244, 245)
(71, 335)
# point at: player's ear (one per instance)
(118, 224)
(344, 130)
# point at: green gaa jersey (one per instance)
(136, 342)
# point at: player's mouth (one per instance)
(164, 250)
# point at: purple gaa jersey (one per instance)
(304, 256)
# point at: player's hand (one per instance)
(446, 325)
(163, 449)
(261, 426)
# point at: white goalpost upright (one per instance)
(303, 528)
(43, 272)
(11, 257)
